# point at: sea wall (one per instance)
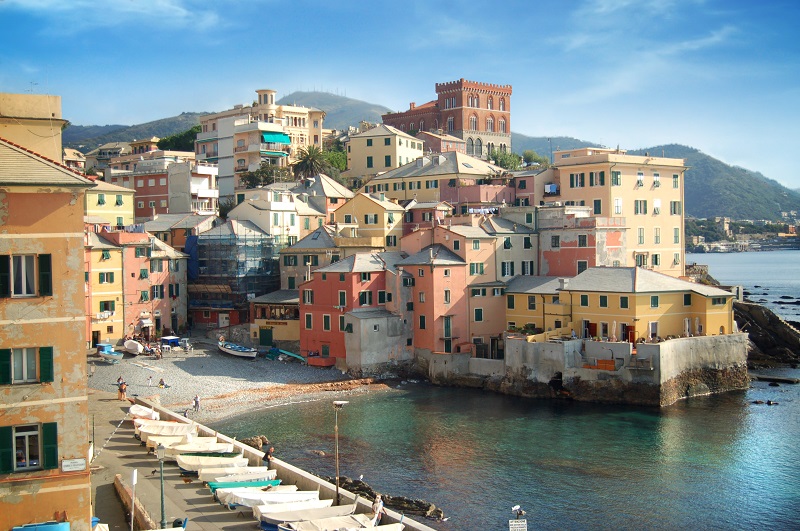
(654, 374)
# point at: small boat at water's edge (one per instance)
(237, 350)
(134, 347)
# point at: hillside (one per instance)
(87, 138)
(340, 111)
(713, 188)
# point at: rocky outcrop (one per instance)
(773, 341)
(258, 442)
(400, 504)
(699, 382)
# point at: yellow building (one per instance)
(33, 121)
(647, 191)
(110, 203)
(380, 149)
(44, 425)
(370, 220)
(104, 291)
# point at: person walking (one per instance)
(150, 381)
(123, 389)
(377, 510)
(196, 403)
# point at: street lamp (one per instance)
(337, 405)
(160, 452)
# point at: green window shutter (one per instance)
(5, 366)
(45, 275)
(177, 290)
(113, 305)
(171, 291)
(50, 445)
(111, 278)
(6, 449)
(602, 178)
(46, 364)
(5, 276)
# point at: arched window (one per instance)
(502, 104)
(489, 103)
(240, 142)
(436, 123)
(402, 127)
(451, 124)
(422, 125)
(470, 146)
(473, 123)
(478, 148)
(502, 125)
(490, 125)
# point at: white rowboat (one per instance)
(308, 514)
(261, 510)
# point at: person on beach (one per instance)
(123, 389)
(162, 384)
(377, 510)
(150, 381)
(196, 403)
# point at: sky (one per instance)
(722, 76)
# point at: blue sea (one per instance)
(717, 462)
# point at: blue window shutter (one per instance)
(50, 445)
(5, 366)
(6, 449)
(45, 364)
(45, 275)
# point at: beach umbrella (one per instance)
(686, 327)
(696, 326)
(614, 331)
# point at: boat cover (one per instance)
(250, 497)
(139, 411)
(246, 475)
(308, 514)
(173, 428)
(214, 485)
(196, 462)
(261, 510)
(351, 521)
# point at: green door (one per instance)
(265, 336)
(326, 351)
(291, 283)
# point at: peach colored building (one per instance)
(33, 121)
(44, 427)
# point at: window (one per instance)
(582, 238)
(478, 292)
(18, 366)
(476, 245)
(555, 242)
(583, 265)
(531, 302)
(387, 160)
(369, 142)
(106, 278)
(369, 162)
(507, 243)
(616, 178)
(498, 292)
(32, 446)
(617, 205)
(101, 199)
(656, 180)
(717, 301)
(604, 301)
(623, 302)
(502, 125)
(654, 301)
(656, 261)
(456, 245)
(120, 221)
(144, 296)
(640, 206)
(507, 269)
(308, 296)
(365, 298)
(326, 323)
(639, 179)
(584, 300)
(490, 125)
(675, 208)
(388, 141)
(370, 219)
(451, 124)
(391, 241)
(422, 322)
(656, 206)
(421, 296)
(641, 260)
(157, 291)
(408, 281)
(656, 235)
(308, 321)
(119, 200)
(478, 315)
(156, 266)
(19, 275)
(527, 267)
(676, 182)
(341, 323)
(475, 268)
(366, 277)
(598, 206)
(290, 260)
(311, 259)
(687, 299)
(640, 232)
(140, 204)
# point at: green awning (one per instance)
(274, 153)
(277, 138)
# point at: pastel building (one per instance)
(44, 426)
(33, 121)
(373, 219)
(109, 205)
(105, 296)
(380, 149)
(439, 142)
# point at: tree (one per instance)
(91, 171)
(181, 141)
(337, 159)
(531, 157)
(225, 206)
(266, 174)
(311, 161)
(506, 159)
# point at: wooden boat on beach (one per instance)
(244, 497)
(237, 350)
(134, 347)
(107, 352)
(193, 463)
(246, 473)
(351, 521)
(270, 521)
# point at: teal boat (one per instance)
(214, 485)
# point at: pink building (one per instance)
(424, 214)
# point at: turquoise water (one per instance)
(716, 462)
(707, 463)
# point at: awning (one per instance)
(277, 138)
(274, 153)
(146, 322)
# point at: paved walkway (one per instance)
(118, 452)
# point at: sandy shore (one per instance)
(227, 385)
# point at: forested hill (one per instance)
(340, 111)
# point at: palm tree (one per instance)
(311, 161)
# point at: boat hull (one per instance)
(237, 350)
(134, 347)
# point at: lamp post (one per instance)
(160, 452)
(337, 405)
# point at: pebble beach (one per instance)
(226, 385)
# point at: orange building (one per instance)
(44, 424)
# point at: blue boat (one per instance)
(107, 352)
(237, 350)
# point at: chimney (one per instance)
(411, 105)
(563, 283)
(383, 196)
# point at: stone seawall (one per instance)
(698, 382)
